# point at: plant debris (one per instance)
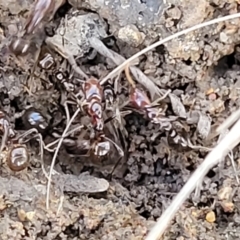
(133, 143)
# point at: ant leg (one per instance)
(67, 111)
(123, 114)
(198, 147)
(121, 153)
(27, 133)
(41, 144)
(161, 98)
(114, 168)
(4, 138)
(47, 147)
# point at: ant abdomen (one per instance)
(18, 157)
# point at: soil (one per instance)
(87, 200)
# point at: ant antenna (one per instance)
(129, 78)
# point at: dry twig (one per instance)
(213, 158)
(55, 156)
(121, 67)
(119, 60)
(67, 55)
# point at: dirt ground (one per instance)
(88, 202)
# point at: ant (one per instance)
(98, 144)
(16, 150)
(42, 12)
(6, 129)
(17, 153)
(93, 98)
(140, 101)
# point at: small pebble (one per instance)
(227, 206)
(210, 217)
(131, 35)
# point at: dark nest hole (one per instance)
(231, 61)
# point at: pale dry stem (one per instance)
(229, 122)
(121, 67)
(47, 147)
(55, 156)
(118, 60)
(67, 55)
(213, 158)
(230, 155)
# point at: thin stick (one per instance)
(64, 53)
(169, 38)
(217, 154)
(47, 147)
(55, 156)
(161, 98)
(229, 122)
